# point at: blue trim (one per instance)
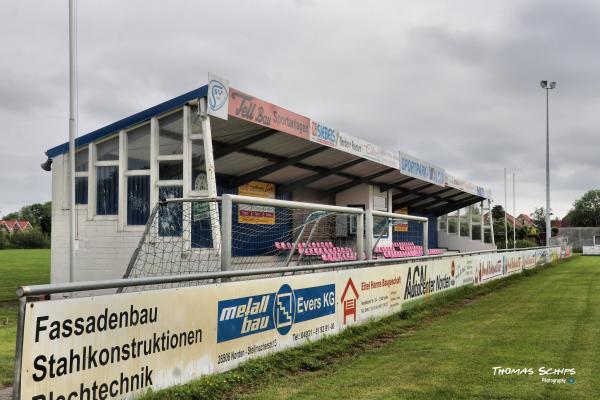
(131, 120)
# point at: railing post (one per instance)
(226, 231)
(16, 395)
(360, 236)
(426, 238)
(369, 234)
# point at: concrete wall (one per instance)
(579, 237)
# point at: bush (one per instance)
(4, 243)
(30, 239)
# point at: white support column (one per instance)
(491, 222)
(458, 223)
(91, 181)
(226, 231)
(470, 211)
(360, 236)
(369, 234)
(211, 178)
(425, 238)
(482, 222)
(122, 195)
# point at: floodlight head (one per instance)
(47, 165)
(544, 84)
(552, 85)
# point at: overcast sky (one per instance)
(455, 83)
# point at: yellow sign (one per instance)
(249, 214)
(402, 226)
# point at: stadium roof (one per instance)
(293, 158)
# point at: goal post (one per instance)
(377, 223)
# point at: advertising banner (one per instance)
(401, 226)
(250, 108)
(358, 147)
(121, 345)
(320, 133)
(250, 214)
(417, 168)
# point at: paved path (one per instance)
(6, 393)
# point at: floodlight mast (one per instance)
(544, 85)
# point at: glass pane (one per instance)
(487, 235)
(476, 232)
(107, 188)
(81, 190)
(138, 200)
(452, 224)
(464, 226)
(170, 170)
(138, 148)
(171, 134)
(108, 151)
(442, 223)
(198, 167)
(195, 122)
(201, 225)
(81, 160)
(170, 217)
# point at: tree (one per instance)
(539, 219)
(39, 216)
(498, 213)
(586, 210)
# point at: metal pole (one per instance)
(72, 131)
(514, 215)
(369, 234)
(548, 227)
(505, 220)
(360, 236)
(226, 231)
(426, 238)
(16, 395)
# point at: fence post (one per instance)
(426, 238)
(369, 234)
(226, 231)
(360, 236)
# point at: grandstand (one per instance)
(174, 150)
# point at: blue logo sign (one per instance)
(217, 96)
(322, 134)
(571, 380)
(246, 316)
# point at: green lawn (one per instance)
(17, 267)
(551, 321)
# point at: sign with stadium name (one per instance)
(122, 345)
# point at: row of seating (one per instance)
(318, 251)
(289, 245)
(346, 256)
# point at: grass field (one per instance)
(445, 348)
(17, 267)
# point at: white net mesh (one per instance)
(184, 236)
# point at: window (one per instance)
(170, 170)
(108, 150)
(170, 221)
(465, 218)
(171, 134)
(138, 199)
(138, 148)
(107, 190)
(107, 177)
(442, 223)
(199, 183)
(137, 179)
(81, 176)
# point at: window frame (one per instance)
(93, 153)
(84, 174)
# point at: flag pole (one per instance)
(72, 132)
